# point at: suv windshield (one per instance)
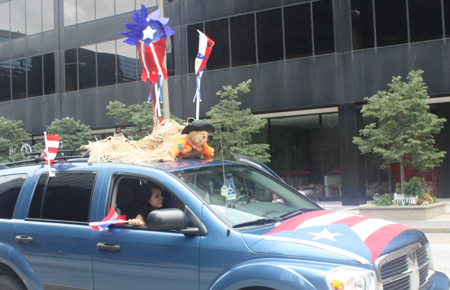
(243, 196)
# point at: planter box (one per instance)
(404, 213)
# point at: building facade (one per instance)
(312, 63)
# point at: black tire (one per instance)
(8, 282)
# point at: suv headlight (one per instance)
(352, 279)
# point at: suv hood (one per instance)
(333, 236)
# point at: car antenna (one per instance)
(224, 189)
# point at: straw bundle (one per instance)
(152, 148)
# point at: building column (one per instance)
(352, 162)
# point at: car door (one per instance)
(137, 258)
(55, 237)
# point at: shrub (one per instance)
(383, 200)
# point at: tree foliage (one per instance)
(234, 127)
(139, 116)
(12, 137)
(73, 134)
(405, 128)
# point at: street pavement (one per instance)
(436, 229)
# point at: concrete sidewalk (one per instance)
(439, 224)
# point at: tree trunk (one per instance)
(402, 176)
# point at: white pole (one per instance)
(165, 88)
(197, 110)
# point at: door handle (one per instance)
(108, 247)
(24, 239)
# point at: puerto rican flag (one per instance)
(51, 148)
(204, 50)
(362, 238)
(112, 218)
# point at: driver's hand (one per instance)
(136, 222)
(253, 200)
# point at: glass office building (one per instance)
(312, 63)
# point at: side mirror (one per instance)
(167, 219)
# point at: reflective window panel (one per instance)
(323, 27)
(106, 64)
(124, 6)
(34, 76)
(425, 20)
(220, 54)
(391, 23)
(4, 22)
(170, 60)
(17, 18)
(19, 79)
(34, 17)
(71, 69)
(48, 15)
(49, 73)
(126, 62)
(70, 12)
(147, 3)
(104, 8)
(85, 10)
(362, 24)
(242, 33)
(297, 31)
(86, 67)
(270, 35)
(447, 17)
(192, 40)
(5, 82)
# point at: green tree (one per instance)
(405, 128)
(73, 134)
(12, 137)
(234, 127)
(139, 116)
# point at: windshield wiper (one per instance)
(258, 222)
(290, 214)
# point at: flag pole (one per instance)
(47, 160)
(197, 105)
(165, 88)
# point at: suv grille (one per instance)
(405, 269)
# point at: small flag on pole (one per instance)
(112, 218)
(204, 50)
(51, 149)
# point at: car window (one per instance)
(10, 187)
(239, 194)
(66, 197)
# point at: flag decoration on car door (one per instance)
(51, 147)
(111, 218)
(205, 45)
(148, 33)
(339, 232)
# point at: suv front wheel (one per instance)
(8, 282)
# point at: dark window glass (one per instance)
(425, 20)
(48, 15)
(34, 76)
(123, 6)
(71, 69)
(70, 12)
(5, 82)
(19, 79)
(86, 67)
(270, 35)
(4, 22)
(390, 17)
(126, 62)
(330, 149)
(66, 198)
(147, 3)
(447, 17)
(10, 187)
(85, 10)
(362, 24)
(17, 18)
(170, 60)
(243, 46)
(297, 31)
(106, 65)
(192, 35)
(323, 27)
(103, 8)
(34, 16)
(220, 54)
(49, 74)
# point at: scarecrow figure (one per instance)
(194, 145)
